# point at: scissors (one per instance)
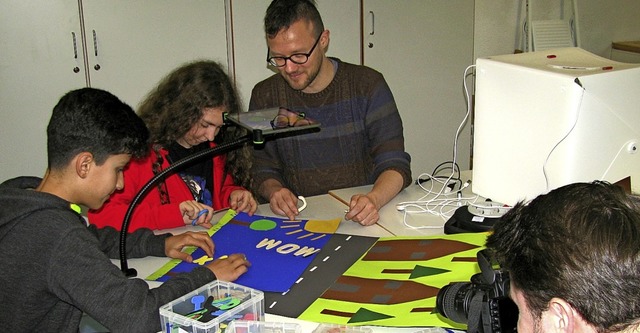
(202, 212)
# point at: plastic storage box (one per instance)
(251, 326)
(210, 308)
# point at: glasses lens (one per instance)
(277, 61)
(280, 121)
(299, 58)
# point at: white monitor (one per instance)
(550, 118)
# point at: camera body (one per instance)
(483, 303)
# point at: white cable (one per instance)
(466, 116)
(438, 205)
(573, 126)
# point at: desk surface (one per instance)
(629, 46)
(325, 207)
(392, 223)
(318, 207)
(411, 221)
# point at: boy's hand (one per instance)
(229, 268)
(243, 201)
(173, 245)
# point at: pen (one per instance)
(202, 212)
(340, 199)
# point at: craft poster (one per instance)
(396, 282)
(279, 249)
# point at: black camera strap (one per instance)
(475, 313)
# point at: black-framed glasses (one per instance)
(297, 58)
(287, 118)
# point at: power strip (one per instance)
(489, 209)
(463, 221)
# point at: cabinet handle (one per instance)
(76, 69)
(95, 43)
(373, 23)
(75, 45)
(95, 50)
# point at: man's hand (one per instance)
(243, 201)
(363, 209)
(281, 200)
(284, 202)
(173, 245)
(230, 268)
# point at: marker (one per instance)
(341, 200)
(202, 212)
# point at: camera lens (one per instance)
(451, 301)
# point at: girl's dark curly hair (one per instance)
(177, 103)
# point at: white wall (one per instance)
(603, 22)
(498, 25)
(499, 22)
(496, 31)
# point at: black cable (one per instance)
(213, 151)
(454, 167)
(456, 172)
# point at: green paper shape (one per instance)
(364, 315)
(263, 225)
(421, 271)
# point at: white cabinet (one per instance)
(423, 47)
(37, 62)
(138, 42)
(340, 17)
(126, 46)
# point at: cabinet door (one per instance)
(131, 45)
(340, 17)
(423, 47)
(38, 62)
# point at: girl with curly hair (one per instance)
(184, 115)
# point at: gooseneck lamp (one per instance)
(256, 122)
(211, 152)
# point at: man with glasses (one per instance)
(361, 140)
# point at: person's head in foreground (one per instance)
(573, 256)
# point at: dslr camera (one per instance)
(482, 304)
